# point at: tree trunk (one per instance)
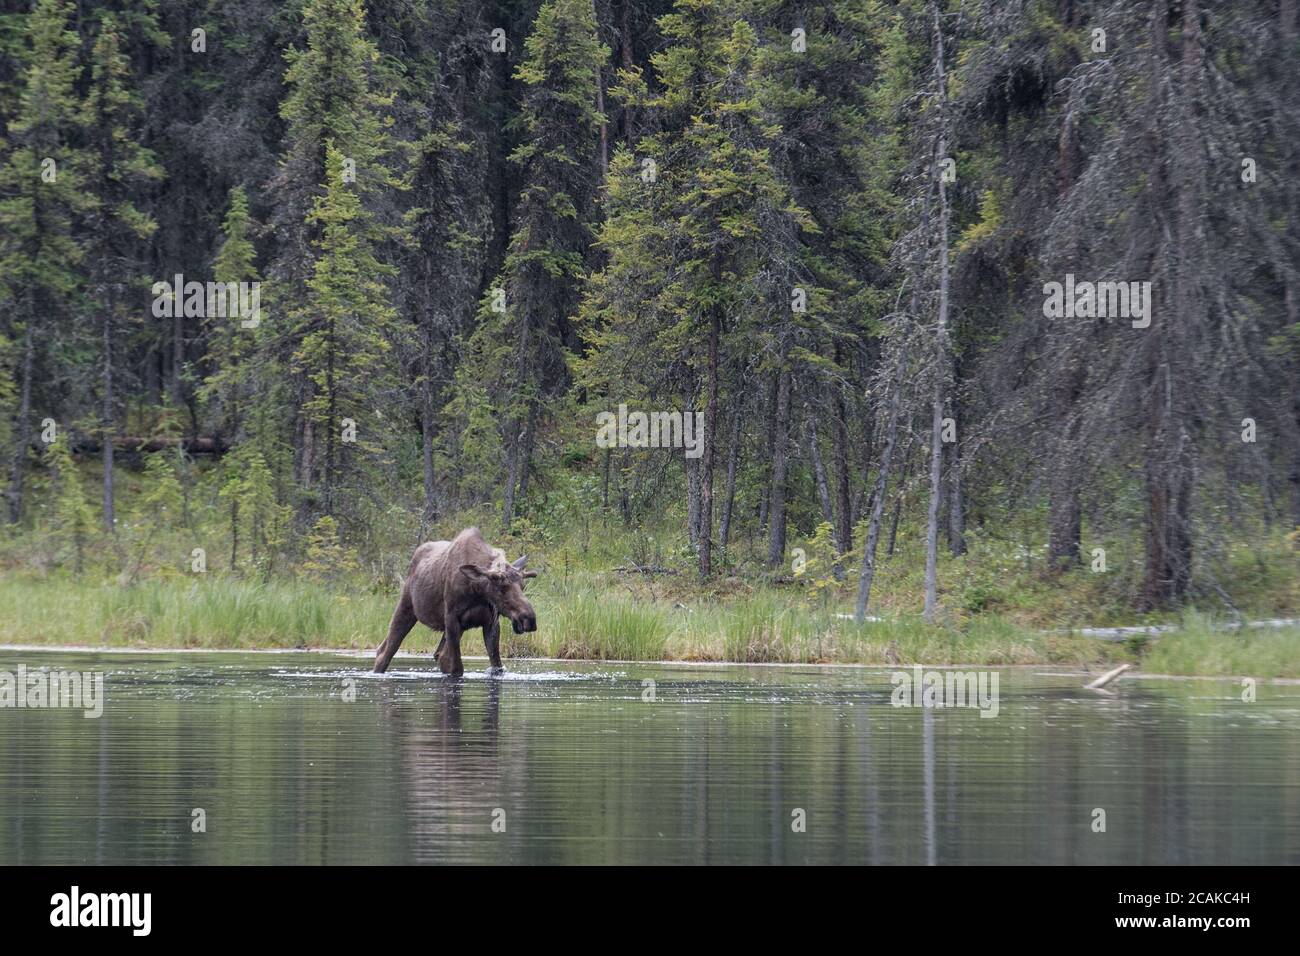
(843, 481)
(308, 477)
(604, 485)
(819, 470)
(426, 434)
(234, 534)
(733, 458)
(764, 500)
(1169, 467)
(899, 498)
(512, 475)
(106, 421)
(868, 573)
(941, 359)
(710, 424)
(776, 510)
(955, 467)
(956, 504)
(23, 439)
(178, 360)
(1065, 516)
(526, 460)
(331, 422)
(692, 466)
(1287, 16)
(932, 521)
(1065, 526)
(600, 108)
(624, 499)
(625, 54)
(1293, 319)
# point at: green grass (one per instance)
(997, 603)
(581, 620)
(211, 612)
(1198, 647)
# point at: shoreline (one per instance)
(417, 656)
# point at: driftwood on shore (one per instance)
(1154, 630)
(1107, 677)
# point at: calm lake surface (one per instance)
(306, 758)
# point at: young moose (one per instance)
(455, 585)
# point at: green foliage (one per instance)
(326, 557)
(233, 340)
(73, 517)
(256, 517)
(343, 330)
(403, 173)
(161, 501)
(471, 454)
(822, 561)
(45, 175)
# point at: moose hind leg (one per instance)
(401, 624)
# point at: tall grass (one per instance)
(589, 626)
(1200, 646)
(585, 619)
(209, 612)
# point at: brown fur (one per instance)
(455, 585)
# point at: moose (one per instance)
(455, 585)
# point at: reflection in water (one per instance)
(927, 759)
(308, 759)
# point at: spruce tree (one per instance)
(233, 339)
(332, 103)
(74, 518)
(343, 332)
(524, 327)
(42, 189)
(687, 232)
(118, 167)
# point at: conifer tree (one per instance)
(41, 191)
(117, 227)
(332, 103)
(686, 227)
(233, 339)
(343, 330)
(158, 507)
(74, 518)
(524, 326)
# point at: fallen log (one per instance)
(200, 445)
(1155, 630)
(1107, 677)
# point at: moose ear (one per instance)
(473, 572)
(530, 574)
(519, 562)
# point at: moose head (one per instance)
(502, 586)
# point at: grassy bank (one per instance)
(998, 602)
(581, 621)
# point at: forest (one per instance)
(978, 320)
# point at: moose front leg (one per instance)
(492, 641)
(449, 661)
(401, 624)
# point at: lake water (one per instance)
(306, 758)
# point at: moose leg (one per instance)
(492, 641)
(449, 661)
(401, 624)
